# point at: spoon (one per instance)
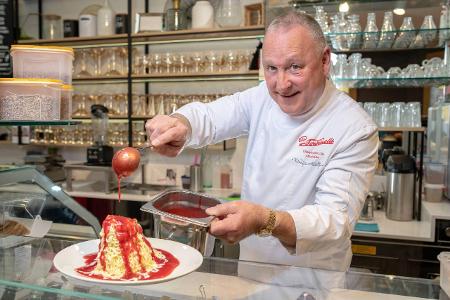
(126, 160)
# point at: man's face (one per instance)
(294, 69)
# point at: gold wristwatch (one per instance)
(269, 226)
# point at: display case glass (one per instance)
(32, 206)
(26, 272)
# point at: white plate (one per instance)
(70, 258)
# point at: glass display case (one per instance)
(26, 272)
(32, 206)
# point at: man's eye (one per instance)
(271, 68)
(295, 67)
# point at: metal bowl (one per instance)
(189, 230)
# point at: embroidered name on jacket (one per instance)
(304, 141)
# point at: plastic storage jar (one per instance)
(433, 192)
(33, 99)
(444, 258)
(42, 62)
(66, 102)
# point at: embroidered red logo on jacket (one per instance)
(304, 141)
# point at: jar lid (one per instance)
(31, 80)
(400, 163)
(42, 48)
(67, 87)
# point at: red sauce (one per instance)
(127, 231)
(187, 211)
(118, 183)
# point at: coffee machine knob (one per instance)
(447, 231)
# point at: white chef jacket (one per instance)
(317, 166)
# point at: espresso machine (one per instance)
(99, 154)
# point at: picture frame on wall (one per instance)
(148, 22)
(254, 14)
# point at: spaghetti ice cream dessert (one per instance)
(125, 254)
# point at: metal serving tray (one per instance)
(183, 198)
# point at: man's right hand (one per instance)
(167, 134)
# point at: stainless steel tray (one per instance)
(184, 198)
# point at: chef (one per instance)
(310, 157)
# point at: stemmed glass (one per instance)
(97, 54)
(83, 59)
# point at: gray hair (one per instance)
(293, 17)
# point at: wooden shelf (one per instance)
(219, 76)
(401, 129)
(71, 145)
(163, 37)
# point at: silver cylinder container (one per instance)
(400, 196)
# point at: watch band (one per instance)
(269, 226)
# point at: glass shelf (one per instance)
(436, 43)
(390, 82)
(37, 123)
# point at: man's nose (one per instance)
(283, 82)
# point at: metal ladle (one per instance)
(126, 160)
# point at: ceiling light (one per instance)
(399, 11)
(344, 7)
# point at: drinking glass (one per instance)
(197, 62)
(167, 62)
(384, 117)
(231, 61)
(83, 62)
(212, 61)
(97, 54)
(412, 115)
(396, 114)
(112, 62)
(151, 107)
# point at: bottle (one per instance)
(443, 25)
(226, 177)
(105, 20)
(175, 18)
(207, 172)
(370, 32)
(202, 15)
(388, 32)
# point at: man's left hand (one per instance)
(237, 220)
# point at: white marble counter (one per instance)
(86, 190)
(411, 230)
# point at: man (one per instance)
(310, 157)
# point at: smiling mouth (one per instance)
(289, 96)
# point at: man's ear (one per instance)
(326, 60)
